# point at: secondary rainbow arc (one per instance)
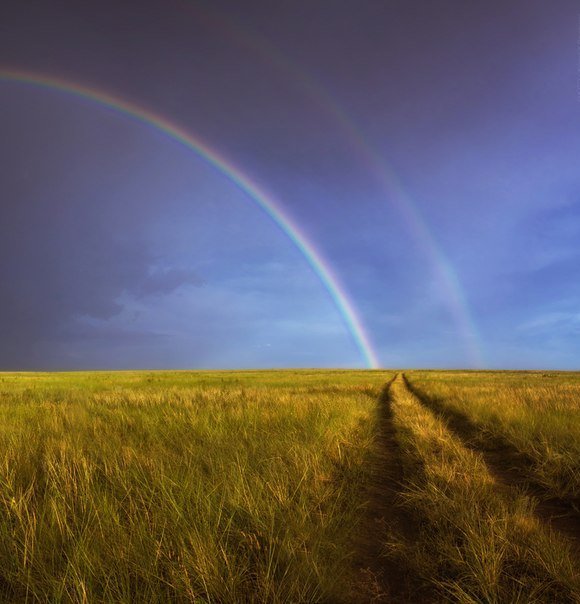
(387, 178)
(265, 201)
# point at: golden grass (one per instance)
(538, 413)
(181, 487)
(477, 541)
(249, 486)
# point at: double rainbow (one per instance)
(394, 193)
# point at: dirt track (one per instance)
(383, 578)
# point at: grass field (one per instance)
(290, 486)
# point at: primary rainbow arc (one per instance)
(265, 201)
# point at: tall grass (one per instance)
(156, 487)
(476, 541)
(536, 412)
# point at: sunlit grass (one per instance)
(477, 541)
(536, 412)
(231, 487)
(155, 487)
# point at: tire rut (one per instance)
(509, 466)
(383, 578)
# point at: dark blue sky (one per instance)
(121, 248)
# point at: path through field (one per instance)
(385, 578)
(451, 520)
(376, 573)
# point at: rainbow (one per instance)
(263, 200)
(386, 177)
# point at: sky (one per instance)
(191, 184)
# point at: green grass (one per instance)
(176, 486)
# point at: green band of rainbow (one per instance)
(266, 202)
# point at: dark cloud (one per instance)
(70, 243)
(167, 280)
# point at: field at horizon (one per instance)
(290, 486)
